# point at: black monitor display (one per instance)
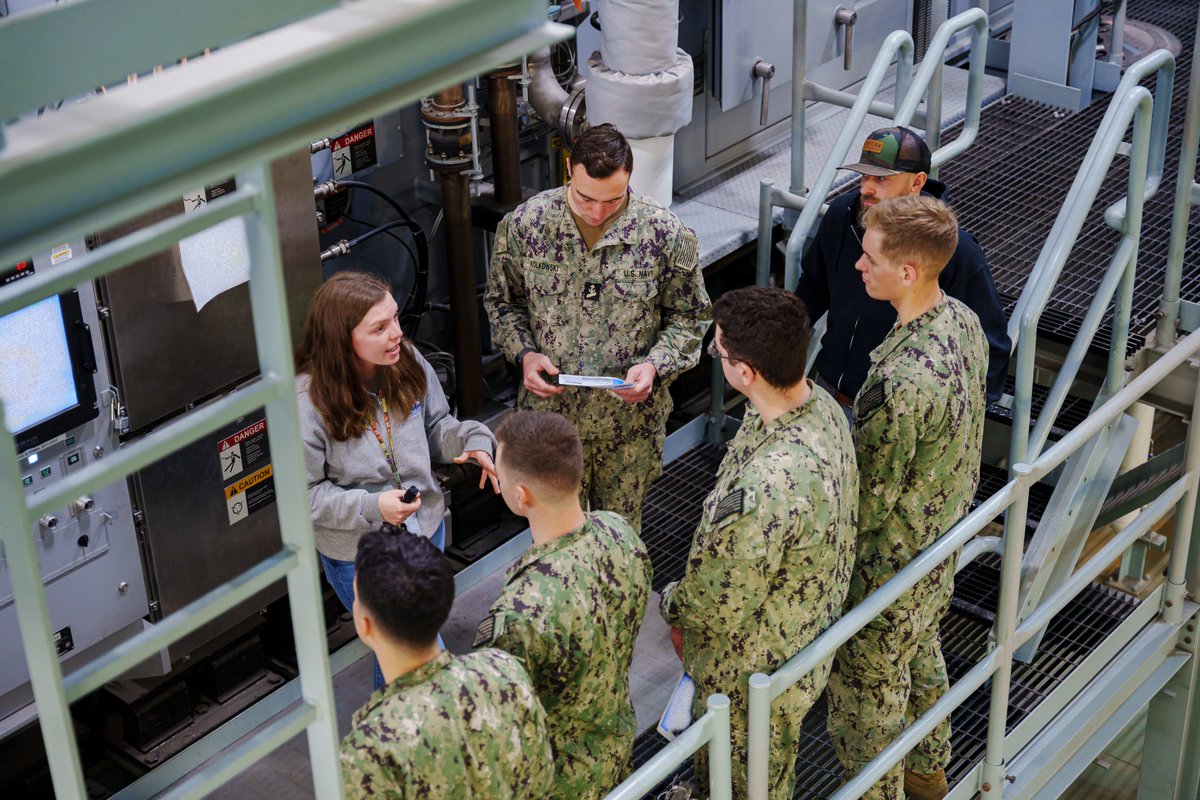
(46, 366)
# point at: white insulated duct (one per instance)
(640, 81)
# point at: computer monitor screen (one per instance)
(37, 381)
(47, 368)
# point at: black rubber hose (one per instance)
(414, 307)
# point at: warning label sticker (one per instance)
(245, 449)
(246, 461)
(198, 198)
(354, 151)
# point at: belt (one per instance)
(842, 398)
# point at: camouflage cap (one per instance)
(891, 151)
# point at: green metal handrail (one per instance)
(296, 561)
(1131, 103)
(712, 730)
(899, 45)
(1187, 193)
(1014, 497)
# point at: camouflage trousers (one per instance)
(617, 474)
(590, 765)
(886, 677)
(787, 717)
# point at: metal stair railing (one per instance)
(1180, 496)
(87, 167)
(909, 92)
(711, 730)
(898, 47)
(1130, 103)
(254, 202)
(1187, 194)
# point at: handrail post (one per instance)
(720, 756)
(1006, 622)
(933, 101)
(1168, 306)
(272, 336)
(33, 621)
(758, 737)
(1183, 571)
(766, 208)
(799, 99)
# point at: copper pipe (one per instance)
(502, 112)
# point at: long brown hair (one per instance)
(327, 355)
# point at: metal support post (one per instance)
(933, 100)
(799, 98)
(271, 332)
(720, 757)
(1005, 634)
(1165, 753)
(1183, 571)
(33, 618)
(758, 737)
(1168, 305)
(766, 211)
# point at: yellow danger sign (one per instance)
(248, 481)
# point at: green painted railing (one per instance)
(90, 166)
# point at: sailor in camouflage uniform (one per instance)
(918, 436)
(770, 563)
(571, 605)
(455, 728)
(594, 279)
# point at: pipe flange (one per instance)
(446, 161)
(572, 118)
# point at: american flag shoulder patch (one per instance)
(491, 627)
(870, 400)
(731, 505)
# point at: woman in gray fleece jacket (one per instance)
(373, 419)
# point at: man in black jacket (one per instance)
(894, 162)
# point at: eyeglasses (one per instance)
(713, 352)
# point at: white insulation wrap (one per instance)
(641, 106)
(639, 37)
(654, 167)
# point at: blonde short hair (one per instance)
(916, 229)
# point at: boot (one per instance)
(925, 787)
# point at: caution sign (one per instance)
(245, 459)
(250, 494)
(354, 151)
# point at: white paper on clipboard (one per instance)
(677, 716)
(592, 381)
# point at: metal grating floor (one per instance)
(1074, 409)
(673, 507)
(1010, 185)
(670, 517)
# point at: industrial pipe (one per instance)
(502, 113)
(448, 123)
(460, 262)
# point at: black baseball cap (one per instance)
(891, 151)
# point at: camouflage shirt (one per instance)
(918, 435)
(455, 728)
(571, 609)
(770, 562)
(638, 295)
